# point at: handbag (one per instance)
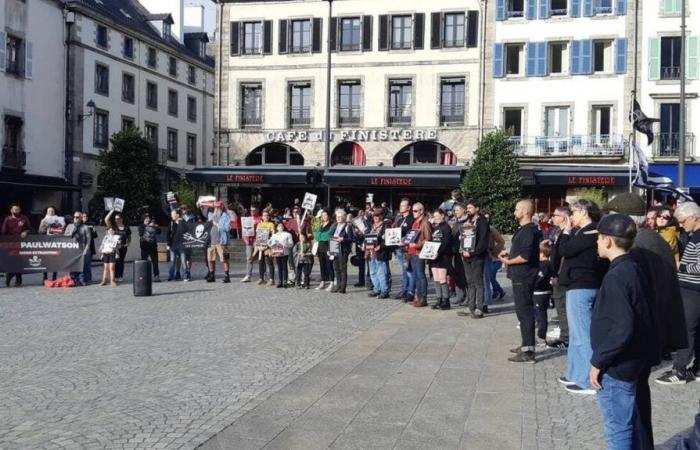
(355, 260)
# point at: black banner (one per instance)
(193, 236)
(40, 253)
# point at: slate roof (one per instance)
(132, 15)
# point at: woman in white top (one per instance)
(281, 244)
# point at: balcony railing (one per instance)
(577, 145)
(671, 73)
(667, 145)
(514, 13)
(299, 117)
(452, 115)
(13, 157)
(349, 116)
(399, 120)
(250, 121)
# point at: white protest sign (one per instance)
(370, 198)
(109, 203)
(118, 204)
(247, 226)
(392, 236)
(429, 250)
(309, 201)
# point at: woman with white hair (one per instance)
(341, 243)
(688, 217)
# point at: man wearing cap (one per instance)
(622, 333)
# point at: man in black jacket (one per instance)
(560, 217)
(622, 334)
(474, 248)
(458, 223)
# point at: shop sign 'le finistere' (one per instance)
(380, 135)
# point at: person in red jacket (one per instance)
(15, 224)
(250, 244)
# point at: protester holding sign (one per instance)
(422, 232)
(109, 248)
(15, 225)
(176, 229)
(148, 232)
(438, 266)
(124, 233)
(475, 248)
(378, 255)
(263, 231)
(322, 237)
(51, 225)
(281, 244)
(81, 233)
(303, 260)
(341, 235)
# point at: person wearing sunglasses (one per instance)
(667, 227)
(82, 234)
(424, 231)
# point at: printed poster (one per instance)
(392, 237)
(247, 226)
(429, 250)
(309, 201)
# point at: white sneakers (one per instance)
(321, 286)
(330, 286)
(245, 279)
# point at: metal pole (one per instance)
(328, 104)
(633, 133)
(681, 128)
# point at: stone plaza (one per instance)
(241, 366)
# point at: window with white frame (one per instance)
(252, 38)
(401, 32)
(300, 36)
(452, 101)
(603, 56)
(400, 102)
(453, 30)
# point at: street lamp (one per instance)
(91, 111)
(327, 152)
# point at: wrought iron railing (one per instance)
(668, 144)
(576, 145)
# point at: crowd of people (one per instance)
(624, 281)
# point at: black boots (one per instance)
(210, 277)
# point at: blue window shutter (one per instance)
(575, 67)
(620, 55)
(531, 68)
(621, 7)
(531, 12)
(498, 60)
(587, 8)
(586, 56)
(575, 8)
(542, 59)
(3, 49)
(544, 9)
(500, 9)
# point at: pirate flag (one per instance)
(642, 123)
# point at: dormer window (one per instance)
(166, 30)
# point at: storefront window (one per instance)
(348, 154)
(432, 153)
(274, 154)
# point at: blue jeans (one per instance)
(579, 307)
(183, 264)
(377, 273)
(621, 420)
(488, 289)
(408, 285)
(495, 267)
(420, 280)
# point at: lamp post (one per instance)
(681, 128)
(327, 149)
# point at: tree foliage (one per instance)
(186, 193)
(128, 170)
(493, 180)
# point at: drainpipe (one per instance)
(68, 133)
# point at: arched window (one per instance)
(274, 154)
(348, 154)
(425, 153)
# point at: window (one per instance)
(454, 30)
(601, 124)
(151, 133)
(400, 102)
(128, 48)
(15, 55)
(191, 149)
(558, 57)
(514, 8)
(101, 132)
(514, 55)
(191, 109)
(101, 36)
(252, 38)
(425, 153)
(101, 79)
(669, 127)
(350, 32)
(251, 105)
(128, 123)
(172, 66)
(172, 144)
(172, 102)
(167, 30)
(603, 6)
(671, 7)
(401, 32)
(191, 75)
(452, 101)
(557, 122)
(299, 104)
(152, 57)
(12, 154)
(128, 87)
(558, 7)
(349, 105)
(301, 36)
(513, 123)
(279, 154)
(671, 58)
(602, 56)
(151, 95)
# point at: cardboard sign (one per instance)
(334, 248)
(109, 244)
(55, 225)
(371, 241)
(118, 204)
(392, 236)
(277, 249)
(468, 240)
(370, 198)
(262, 235)
(309, 201)
(360, 225)
(411, 237)
(247, 226)
(430, 250)
(109, 203)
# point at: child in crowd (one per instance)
(302, 261)
(109, 250)
(543, 289)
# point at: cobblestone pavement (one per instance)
(241, 366)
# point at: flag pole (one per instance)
(681, 128)
(633, 133)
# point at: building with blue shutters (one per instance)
(561, 80)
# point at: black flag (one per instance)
(642, 123)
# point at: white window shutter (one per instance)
(28, 60)
(3, 47)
